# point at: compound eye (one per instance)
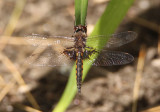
(77, 28)
(84, 29)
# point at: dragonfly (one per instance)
(63, 50)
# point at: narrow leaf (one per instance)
(80, 11)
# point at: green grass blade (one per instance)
(77, 12)
(110, 19)
(107, 24)
(84, 6)
(80, 11)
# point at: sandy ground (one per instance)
(106, 89)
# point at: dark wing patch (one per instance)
(110, 58)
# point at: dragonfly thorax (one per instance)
(80, 37)
(80, 41)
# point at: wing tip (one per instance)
(133, 33)
(129, 58)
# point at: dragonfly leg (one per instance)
(88, 52)
(70, 52)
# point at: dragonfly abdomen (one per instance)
(79, 70)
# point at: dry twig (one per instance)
(18, 78)
(139, 73)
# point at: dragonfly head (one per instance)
(80, 28)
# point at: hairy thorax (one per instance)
(80, 40)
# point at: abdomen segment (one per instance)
(79, 70)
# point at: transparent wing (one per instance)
(49, 56)
(115, 40)
(109, 58)
(56, 41)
